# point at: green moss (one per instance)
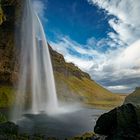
(2, 118)
(6, 96)
(134, 97)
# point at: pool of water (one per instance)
(63, 125)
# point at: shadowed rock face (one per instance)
(10, 11)
(121, 123)
(107, 123)
(8, 128)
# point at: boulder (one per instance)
(8, 128)
(122, 123)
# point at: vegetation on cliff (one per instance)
(86, 91)
(7, 96)
(2, 16)
(68, 69)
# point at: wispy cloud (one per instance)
(64, 44)
(118, 68)
(127, 23)
(122, 66)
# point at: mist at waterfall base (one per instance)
(37, 109)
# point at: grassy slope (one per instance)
(133, 97)
(6, 96)
(90, 92)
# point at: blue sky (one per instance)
(77, 19)
(99, 36)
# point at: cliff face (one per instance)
(72, 84)
(134, 97)
(121, 123)
(10, 11)
(68, 69)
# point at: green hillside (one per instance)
(134, 97)
(86, 91)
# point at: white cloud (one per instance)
(123, 9)
(62, 45)
(120, 68)
(127, 60)
(82, 63)
(130, 57)
(117, 88)
(127, 23)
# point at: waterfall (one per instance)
(36, 89)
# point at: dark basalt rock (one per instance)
(122, 123)
(8, 128)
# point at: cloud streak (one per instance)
(117, 70)
(126, 22)
(121, 70)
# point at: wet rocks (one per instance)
(122, 123)
(8, 128)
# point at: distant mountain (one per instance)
(134, 97)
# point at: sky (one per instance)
(102, 37)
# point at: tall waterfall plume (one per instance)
(36, 89)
